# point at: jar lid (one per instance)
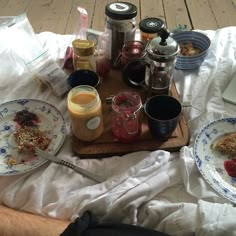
(127, 101)
(83, 47)
(121, 10)
(151, 25)
(162, 48)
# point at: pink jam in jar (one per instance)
(126, 116)
(132, 50)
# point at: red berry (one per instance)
(230, 167)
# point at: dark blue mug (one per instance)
(163, 113)
(83, 77)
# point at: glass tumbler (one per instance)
(126, 116)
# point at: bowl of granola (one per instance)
(194, 47)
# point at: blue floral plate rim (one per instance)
(211, 162)
(52, 121)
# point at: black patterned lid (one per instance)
(151, 25)
(121, 10)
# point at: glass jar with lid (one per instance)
(83, 55)
(132, 50)
(120, 25)
(126, 116)
(149, 28)
(85, 110)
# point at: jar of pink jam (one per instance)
(126, 116)
(132, 50)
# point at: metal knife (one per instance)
(77, 169)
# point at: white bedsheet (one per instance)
(159, 190)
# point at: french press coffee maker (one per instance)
(161, 57)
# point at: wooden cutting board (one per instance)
(107, 145)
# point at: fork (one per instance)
(77, 169)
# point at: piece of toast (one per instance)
(28, 138)
(226, 144)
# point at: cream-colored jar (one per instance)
(85, 110)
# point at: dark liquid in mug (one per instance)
(162, 111)
(168, 115)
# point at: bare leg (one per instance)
(17, 223)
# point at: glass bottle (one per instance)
(83, 55)
(85, 110)
(126, 116)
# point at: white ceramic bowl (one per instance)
(199, 40)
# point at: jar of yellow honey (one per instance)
(83, 55)
(85, 110)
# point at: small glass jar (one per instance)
(83, 55)
(85, 110)
(132, 50)
(120, 25)
(149, 28)
(126, 116)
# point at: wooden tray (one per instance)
(107, 145)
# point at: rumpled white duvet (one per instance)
(159, 190)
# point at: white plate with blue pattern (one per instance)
(211, 162)
(50, 120)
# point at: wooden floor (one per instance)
(59, 16)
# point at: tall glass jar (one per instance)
(85, 110)
(83, 55)
(120, 25)
(126, 116)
